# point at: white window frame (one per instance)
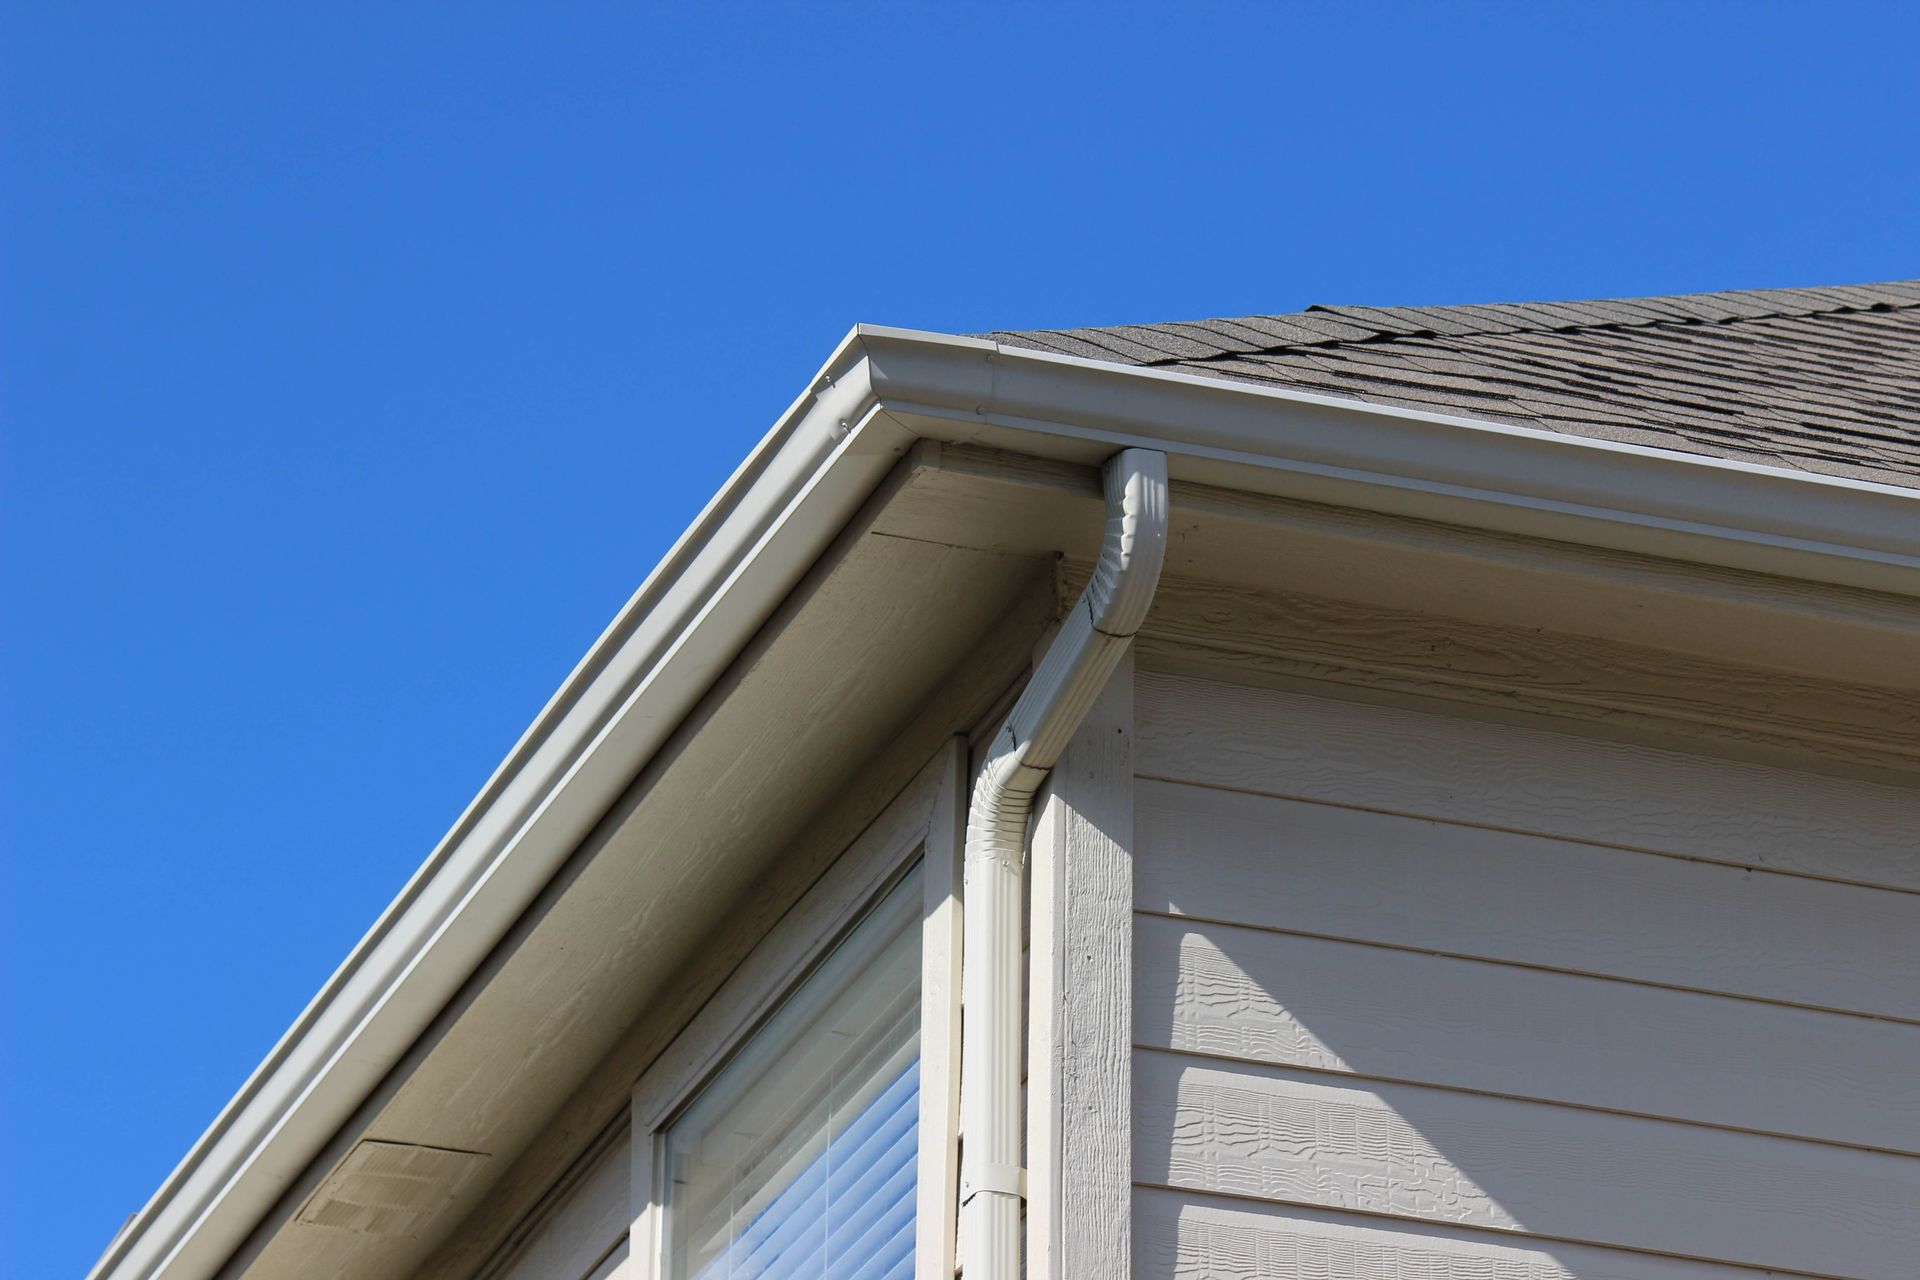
(924, 823)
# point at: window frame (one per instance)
(921, 827)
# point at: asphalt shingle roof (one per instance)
(1824, 380)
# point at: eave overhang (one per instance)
(882, 390)
(1406, 462)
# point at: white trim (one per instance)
(648, 1236)
(904, 834)
(1404, 461)
(667, 646)
(881, 390)
(938, 1212)
(570, 1242)
(1091, 642)
(1080, 1015)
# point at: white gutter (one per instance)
(1294, 444)
(882, 389)
(673, 639)
(1090, 643)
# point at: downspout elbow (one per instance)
(1075, 668)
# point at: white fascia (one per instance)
(1407, 462)
(674, 638)
(882, 389)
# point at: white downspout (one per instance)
(1090, 643)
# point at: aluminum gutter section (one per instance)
(882, 389)
(1075, 668)
(1457, 470)
(673, 639)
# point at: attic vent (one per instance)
(390, 1188)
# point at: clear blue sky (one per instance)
(360, 360)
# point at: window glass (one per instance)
(798, 1161)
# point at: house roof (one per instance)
(1824, 380)
(887, 519)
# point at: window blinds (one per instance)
(799, 1161)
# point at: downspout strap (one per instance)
(995, 1179)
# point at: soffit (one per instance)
(852, 657)
(1020, 505)
(948, 547)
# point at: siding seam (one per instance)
(1440, 1226)
(1533, 966)
(1533, 832)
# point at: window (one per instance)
(798, 1161)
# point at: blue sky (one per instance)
(360, 360)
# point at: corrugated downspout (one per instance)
(1090, 643)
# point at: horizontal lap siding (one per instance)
(1428, 998)
(1525, 779)
(1265, 1133)
(1243, 993)
(1203, 1238)
(1469, 891)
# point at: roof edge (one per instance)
(1460, 470)
(1340, 325)
(669, 644)
(881, 390)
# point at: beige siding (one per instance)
(1253, 995)
(1422, 997)
(1526, 779)
(1495, 895)
(1186, 1235)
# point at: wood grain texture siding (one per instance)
(1355, 1009)
(1094, 780)
(1527, 779)
(1527, 1168)
(604, 1092)
(1532, 670)
(1428, 997)
(1350, 873)
(1184, 1237)
(585, 1228)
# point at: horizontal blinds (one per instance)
(799, 1161)
(848, 1215)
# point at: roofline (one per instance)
(1460, 470)
(668, 645)
(881, 390)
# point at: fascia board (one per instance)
(1405, 462)
(883, 389)
(667, 647)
